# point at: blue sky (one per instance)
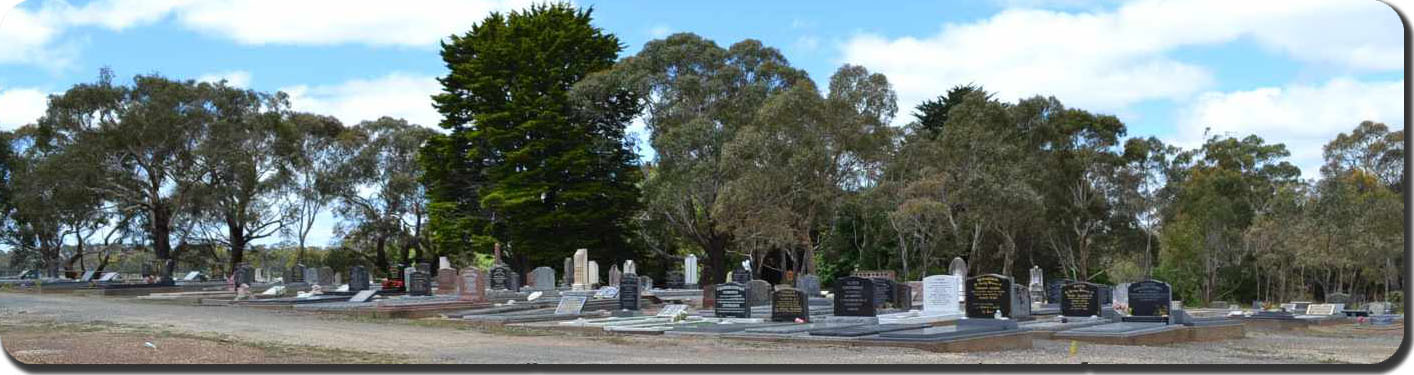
(1298, 74)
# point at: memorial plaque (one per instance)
(789, 304)
(758, 293)
(883, 291)
(607, 292)
(362, 296)
(1080, 299)
(940, 294)
(571, 305)
(189, 277)
(1150, 298)
(109, 276)
(628, 292)
(1321, 309)
(855, 297)
(500, 278)
(730, 301)
(988, 294)
(88, 276)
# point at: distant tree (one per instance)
(389, 204)
(321, 172)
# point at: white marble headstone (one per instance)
(940, 294)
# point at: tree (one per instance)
(389, 203)
(544, 178)
(696, 97)
(248, 154)
(320, 169)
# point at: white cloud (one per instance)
(234, 78)
(1108, 60)
(1304, 117)
(660, 31)
(397, 95)
(39, 35)
(21, 106)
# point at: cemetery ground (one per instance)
(81, 329)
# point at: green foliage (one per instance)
(521, 165)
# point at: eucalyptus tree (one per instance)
(320, 169)
(388, 202)
(696, 97)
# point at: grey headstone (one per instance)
(358, 279)
(543, 277)
(810, 284)
(758, 293)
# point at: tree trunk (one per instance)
(160, 232)
(238, 242)
(381, 255)
(716, 248)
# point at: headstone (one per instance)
(645, 283)
(810, 284)
(418, 282)
(513, 282)
(581, 270)
(709, 296)
(568, 280)
(676, 280)
(689, 269)
(311, 275)
(629, 267)
(1150, 298)
(987, 295)
(191, 276)
(1037, 286)
(570, 305)
(741, 275)
(108, 276)
(958, 267)
(326, 276)
(1106, 293)
(444, 264)
(1120, 296)
(296, 274)
(542, 279)
(903, 296)
(1080, 299)
(875, 274)
(88, 276)
(446, 281)
(471, 285)
(940, 294)
(1020, 302)
(614, 275)
(883, 291)
(855, 297)
(358, 279)
(789, 304)
(500, 277)
(758, 293)
(259, 275)
(628, 292)
(1337, 298)
(593, 274)
(1053, 290)
(247, 274)
(729, 301)
(362, 296)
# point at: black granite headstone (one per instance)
(419, 283)
(903, 296)
(730, 301)
(358, 279)
(1053, 289)
(987, 294)
(675, 280)
(741, 275)
(855, 297)
(883, 291)
(296, 274)
(628, 292)
(1150, 298)
(789, 304)
(1080, 299)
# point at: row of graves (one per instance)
(1300, 315)
(108, 283)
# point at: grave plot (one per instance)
(1286, 320)
(540, 310)
(1080, 305)
(939, 303)
(1155, 321)
(394, 306)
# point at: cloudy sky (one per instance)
(1296, 72)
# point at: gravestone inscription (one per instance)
(855, 297)
(730, 301)
(940, 294)
(570, 305)
(1080, 299)
(358, 279)
(789, 304)
(500, 278)
(883, 291)
(419, 282)
(1150, 298)
(987, 295)
(628, 292)
(471, 285)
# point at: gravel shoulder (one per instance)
(219, 334)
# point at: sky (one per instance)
(1294, 72)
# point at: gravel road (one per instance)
(429, 342)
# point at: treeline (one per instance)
(750, 160)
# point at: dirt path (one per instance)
(430, 341)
